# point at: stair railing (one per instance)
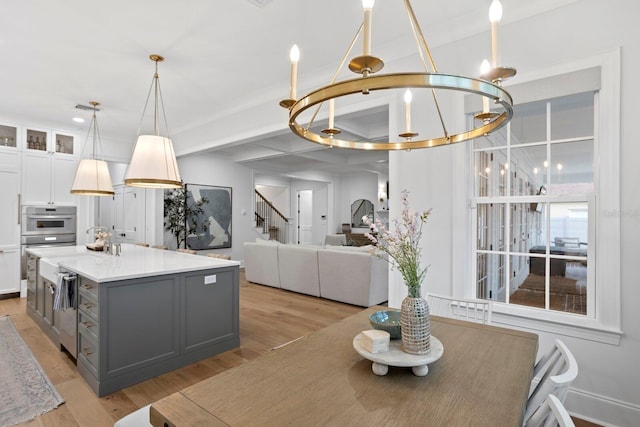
(271, 220)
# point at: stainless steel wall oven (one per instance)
(46, 226)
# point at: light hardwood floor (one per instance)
(268, 318)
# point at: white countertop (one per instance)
(135, 262)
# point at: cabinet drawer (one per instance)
(88, 353)
(87, 325)
(88, 288)
(88, 304)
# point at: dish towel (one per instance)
(64, 293)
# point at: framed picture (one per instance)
(209, 225)
(198, 217)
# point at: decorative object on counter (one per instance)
(92, 177)
(402, 246)
(375, 341)
(26, 390)
(303, 110)
(153, 163)
(387, 320)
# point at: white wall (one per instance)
(607, 388)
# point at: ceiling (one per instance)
(221, 56)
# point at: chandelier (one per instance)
(153, 163)
(488, 86)
(92, 177)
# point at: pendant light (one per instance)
(153, 163)
(92, 177)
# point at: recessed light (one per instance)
(78, 119)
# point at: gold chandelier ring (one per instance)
(404, 80)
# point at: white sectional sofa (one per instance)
(341, 273)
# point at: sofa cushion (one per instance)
(353, 277)
(261, 263)
(298, 267)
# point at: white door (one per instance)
(9, 228)
(128, 210)
(305, 217)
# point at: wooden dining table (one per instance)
(482, 379)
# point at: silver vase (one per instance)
(415, 325)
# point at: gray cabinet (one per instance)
(40, 300)
(133, 330)
(32, 279)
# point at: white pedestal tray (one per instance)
(396, 357)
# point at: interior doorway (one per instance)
(305, 217)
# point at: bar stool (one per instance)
(160, 247)
(146, 245)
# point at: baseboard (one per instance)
(602, 410)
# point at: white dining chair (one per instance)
(550, 414)
(472, 310)
(138, 418)
(552, 375)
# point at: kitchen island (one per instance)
(145, 312)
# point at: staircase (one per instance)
(269, 221)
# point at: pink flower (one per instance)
(402, 244)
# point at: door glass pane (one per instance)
(572, 116)
(491, 226)
(529, 123)
(491, 277)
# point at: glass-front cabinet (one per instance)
(48, 141)
(8, 136)
(64, 143)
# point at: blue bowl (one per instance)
(387, 320)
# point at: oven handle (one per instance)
(49, 216)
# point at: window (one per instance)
(545, 204)
(544, 157)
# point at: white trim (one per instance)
(618, 412)
(567, 324)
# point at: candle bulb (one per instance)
(332, 107)
(407, 109)
(485, 68)
(366, 38)
(294, 56)
(495, 15)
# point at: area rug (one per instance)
(25, 390)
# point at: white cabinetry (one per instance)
(9, 217)
(124, 216)
(49, 166)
